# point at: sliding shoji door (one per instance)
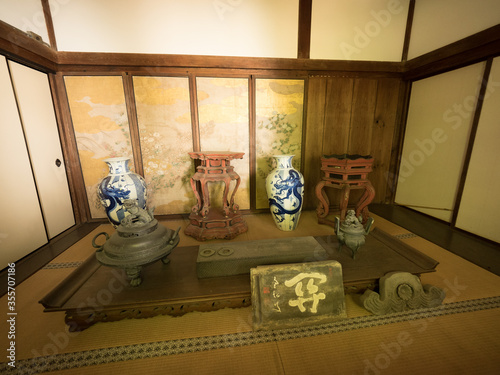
(34, 193)
(42, 137)
(439, 122)
(480, 203)
(21, 224)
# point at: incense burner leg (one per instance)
(134, 275)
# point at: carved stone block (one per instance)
(401, 291)
(237, 258)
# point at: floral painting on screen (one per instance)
(165, 131)
(100, 122)
(279, 109)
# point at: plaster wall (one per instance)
(439, 23)
(26, 15)
(358, 29)
(258, 28)
(341, 29)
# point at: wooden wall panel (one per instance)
(364, 99)
(382, 141)
(354, 115)
(338, 115)
(313, 143)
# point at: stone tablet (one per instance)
(292, 295)
(237, 258)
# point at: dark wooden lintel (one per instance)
(19, 47)
(475, 48)
(77, 61)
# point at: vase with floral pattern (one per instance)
(120, 184)
(285, 191)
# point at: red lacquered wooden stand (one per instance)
(345, 172)
(204, 222)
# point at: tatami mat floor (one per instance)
(451, 343)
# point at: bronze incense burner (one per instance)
(139, 240)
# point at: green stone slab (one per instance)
(237, 258)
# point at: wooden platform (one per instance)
(95, 293)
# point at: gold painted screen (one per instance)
(223, 112)
(164, 120)
(279, 109)
(101, 126)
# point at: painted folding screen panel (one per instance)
(164, 120)
(223, 114)
(279, 109)
(100, 122)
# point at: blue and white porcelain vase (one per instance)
(285, 190)
(120, 184)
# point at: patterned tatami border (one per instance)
(198, 344)
(405, 236)
(51, 266)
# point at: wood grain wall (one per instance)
(354, 115)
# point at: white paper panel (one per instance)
(439, 23)
(259, 28)
(37, 114)
(480, 204)
(21, 226)
(358, 29)
(436, 138)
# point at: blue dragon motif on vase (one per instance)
(113, 199)
(286, 189)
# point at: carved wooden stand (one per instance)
(345, 172)
(205, 223)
